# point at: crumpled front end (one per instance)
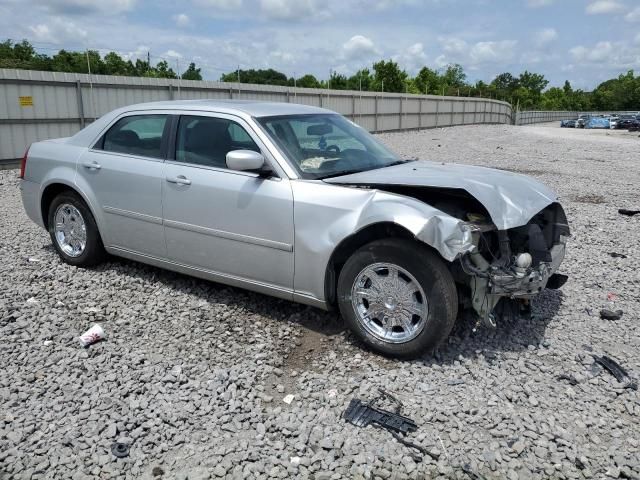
(509, 267)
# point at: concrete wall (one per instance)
(39, 105)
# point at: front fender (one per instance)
(325, 215)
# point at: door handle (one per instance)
(92, 166)
(180, 180)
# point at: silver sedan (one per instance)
(300, 203)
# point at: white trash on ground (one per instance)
(91, 336)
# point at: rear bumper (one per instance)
(30, 193)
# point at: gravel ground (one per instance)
(194, 375)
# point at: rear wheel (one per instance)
(74, 232)
(398, 297)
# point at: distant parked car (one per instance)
(626, 121)
(300, 203)
(635, 125)
(598, 123)
(613, 121)
(582, 121)
(568, 123)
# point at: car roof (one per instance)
(248, 107)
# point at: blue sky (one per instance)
(584, 41)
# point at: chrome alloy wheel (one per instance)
(389, 303)
(70, 230)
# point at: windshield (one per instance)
(326, 145)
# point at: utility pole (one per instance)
(148, 61)
(238, 71)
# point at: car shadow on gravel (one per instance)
(510, 335)
(310, 318)
(323, 331)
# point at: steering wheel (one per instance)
(335, 148)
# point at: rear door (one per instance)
(236, 224)
(122, 175)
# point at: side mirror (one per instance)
(245, 160)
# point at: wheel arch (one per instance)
(348, 245)
(51, 191)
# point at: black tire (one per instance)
(428, 269)
(94, 252)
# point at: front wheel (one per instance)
(398, 297)
(74, 232)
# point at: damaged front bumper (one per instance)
(489, 283)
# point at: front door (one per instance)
(123, 174)
(235, 224)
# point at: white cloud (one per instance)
(472, 56)
(604, 6)
(453, 45)
(545, 36)
(386, 4)
(487, 52)
(412, 58)
(181, 19)
(539, 3)
(614, 55)
(172, 54)
(633, 15)
(358, 47)
(58, 30)
(220, 5)
(293, 9)
(82, 7)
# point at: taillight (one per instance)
(23, 162)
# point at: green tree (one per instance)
(192, 73)
(308, 81)
(162, 70)
(114, 64)
(427, 81)
(454, 76)
(361, 80)
(337, 81)
(260, 77)
(388, 77)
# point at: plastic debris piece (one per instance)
(91, 336)
(628, 213)
(294, 460)
(606, 314)
(288, 399)
(612, 297)
(362, 415)
(120, 450)
(569, 378)
(615, 369)
(47, 342)
(332, 393)
(466, 468)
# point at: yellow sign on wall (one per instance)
(26, 101)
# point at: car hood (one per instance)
(510, 198)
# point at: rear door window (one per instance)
(139, 135)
